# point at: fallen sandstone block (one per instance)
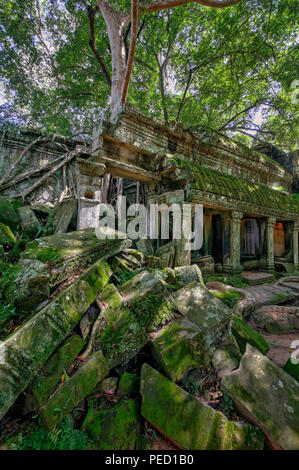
(29, 285)
(267, 396)
(189, 423)
(245, 334)
(116, 428)
(50, 374)
(277, 319)
(186, 274)
(72, 391)
(69, 253)
(178, 348)
(48, 261)
(25, 352)
(28, 219)
(207, 312)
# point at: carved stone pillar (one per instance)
(232, 263)
(207, 227)
(295, 244)
(268, 263)
(89, 180)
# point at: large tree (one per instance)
(198, 66)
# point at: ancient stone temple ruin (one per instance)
(250, 215)
(116, 336)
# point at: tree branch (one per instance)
(166, 4)
(256, 103)
(91, 12)
(134, 25)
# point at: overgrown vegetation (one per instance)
(63, 437)
(123, 277)
(229, 298)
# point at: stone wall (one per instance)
(12, 144)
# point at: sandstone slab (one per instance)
(178, 348)
(267, 396)
(189, 423)
(206, 311)
(245, 334)
(116, 428)
(50, 374)
(25, 352)
(77, 387)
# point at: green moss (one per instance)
(245, 334)
(208, 180)
(6, 235)
(128, 385)
(77, 387)
(178, 348)
(152, 310)
(8, 213)
(280, 298)
(115, 428)
(54, 367)
(235, 281)
(187, 421)
(229, 298)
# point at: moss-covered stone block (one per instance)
(245, 334)
(8, 212)
(70, 253)
(129, 385)
(122, 336)
(292, 369)
(6, 235)
(29, 285)
(267, 396)
(50, 375)
(77, 387)
(206, 311)
(178, 348)
(115, 428)
(29, 221)
(25, 351)
(186, 274)
(188, 422)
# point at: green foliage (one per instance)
(123, 277)
(63, 437)
(193, 388)
(204, 67)
(227, 405)
(7, 312)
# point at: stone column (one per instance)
(207, 239)
(268, 264)
(89, 181)
(233, 264)
(295, 244)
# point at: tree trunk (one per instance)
(115, 23)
